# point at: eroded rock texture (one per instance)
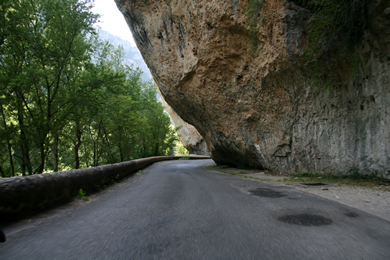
(269, 107)
(189, 136)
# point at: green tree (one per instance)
(157, 136)
(66, 98)
(43, 51)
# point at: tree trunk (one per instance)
(9, 146)
(25, 154)
(121, 157)
(23, 159)
(42, 155)
(143, 147)
(2, 172)
(108, 144)
(121, 152)
(11, 159)
(96, 148)
(56, 156)
(156, 149)
(77, 146)
(76, 156)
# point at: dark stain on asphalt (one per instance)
(305, 219)
(351, 214)
(268, 193)
(155, 248)
(314, 183)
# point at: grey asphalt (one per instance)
(180, 210)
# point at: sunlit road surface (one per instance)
(180, 210)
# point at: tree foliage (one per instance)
(66, 99)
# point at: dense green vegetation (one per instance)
(66, 99)
(254, 20)
(352, 178)
(179, 148)
(335, 24)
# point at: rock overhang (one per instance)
(266, 107)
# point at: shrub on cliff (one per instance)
(334, 24)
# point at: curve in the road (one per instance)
(180, 210)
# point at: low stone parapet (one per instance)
(20, 196)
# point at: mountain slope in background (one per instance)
(132, 54)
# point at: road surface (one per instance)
(180, 210)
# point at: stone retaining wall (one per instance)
(20, 196)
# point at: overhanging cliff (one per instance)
(189, 136)
(258, 95)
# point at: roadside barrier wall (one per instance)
(21, 196)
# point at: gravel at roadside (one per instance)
(373, 200)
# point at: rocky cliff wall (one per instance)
(268, 106)
(189, 136)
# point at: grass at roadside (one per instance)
(352, 179)
(228, 171)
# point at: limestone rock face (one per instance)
(189, 136)
(266, 106)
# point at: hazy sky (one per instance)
(112, 20)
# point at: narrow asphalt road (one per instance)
(180, 210)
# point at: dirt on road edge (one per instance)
(373, 199)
